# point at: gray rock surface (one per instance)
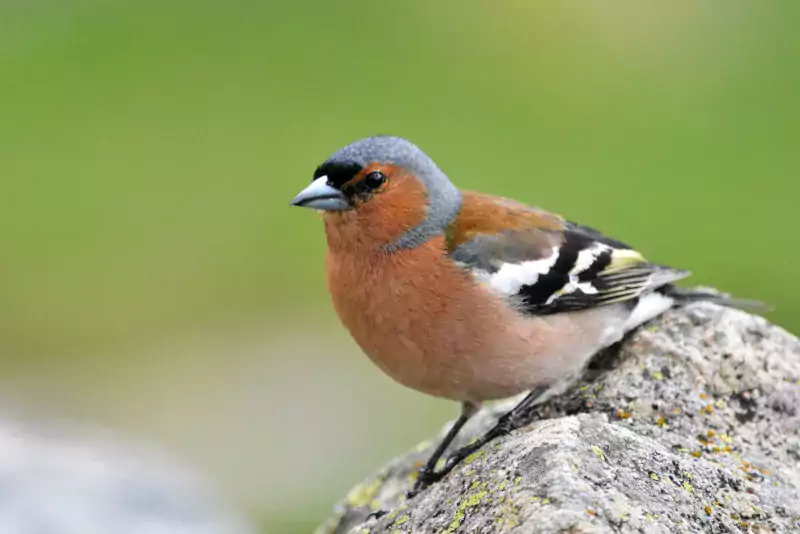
(60, 479)
(690, 425)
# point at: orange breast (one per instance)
(417, 316)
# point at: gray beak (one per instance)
(320, 196)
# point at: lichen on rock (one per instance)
(690, 425)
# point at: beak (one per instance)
(320, 196)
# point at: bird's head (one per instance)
(381, 192)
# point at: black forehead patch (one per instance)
(338, 172)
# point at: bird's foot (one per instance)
(377, 514)
(425, 477)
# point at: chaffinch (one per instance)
(468, 296)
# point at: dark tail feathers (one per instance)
(687, 296)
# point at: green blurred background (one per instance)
(154, 279)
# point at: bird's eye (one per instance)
(374, 179)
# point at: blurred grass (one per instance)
(148, 149)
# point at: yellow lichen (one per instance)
(598, 452)
(364, 494)
(468, 502)
(394, 513)
(474, 456)
(400, 521)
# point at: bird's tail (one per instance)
(703, 294)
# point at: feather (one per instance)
(550, 268)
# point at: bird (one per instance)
(468, 296)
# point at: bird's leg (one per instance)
(505, 424)
(426, 474)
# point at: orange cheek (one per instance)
(382, 219)
(402, 205)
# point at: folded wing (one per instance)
(545, 263)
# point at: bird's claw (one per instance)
(410, 494)
(425, 477)
(377, 514)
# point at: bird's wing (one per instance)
(547, 264)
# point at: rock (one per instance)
(691, 424)
(60, 479)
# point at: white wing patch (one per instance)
(585, 260)
(510, 277)
(587, 256)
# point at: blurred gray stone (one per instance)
(59, 479)
(691, 425)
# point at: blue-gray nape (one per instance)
(444, 198)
